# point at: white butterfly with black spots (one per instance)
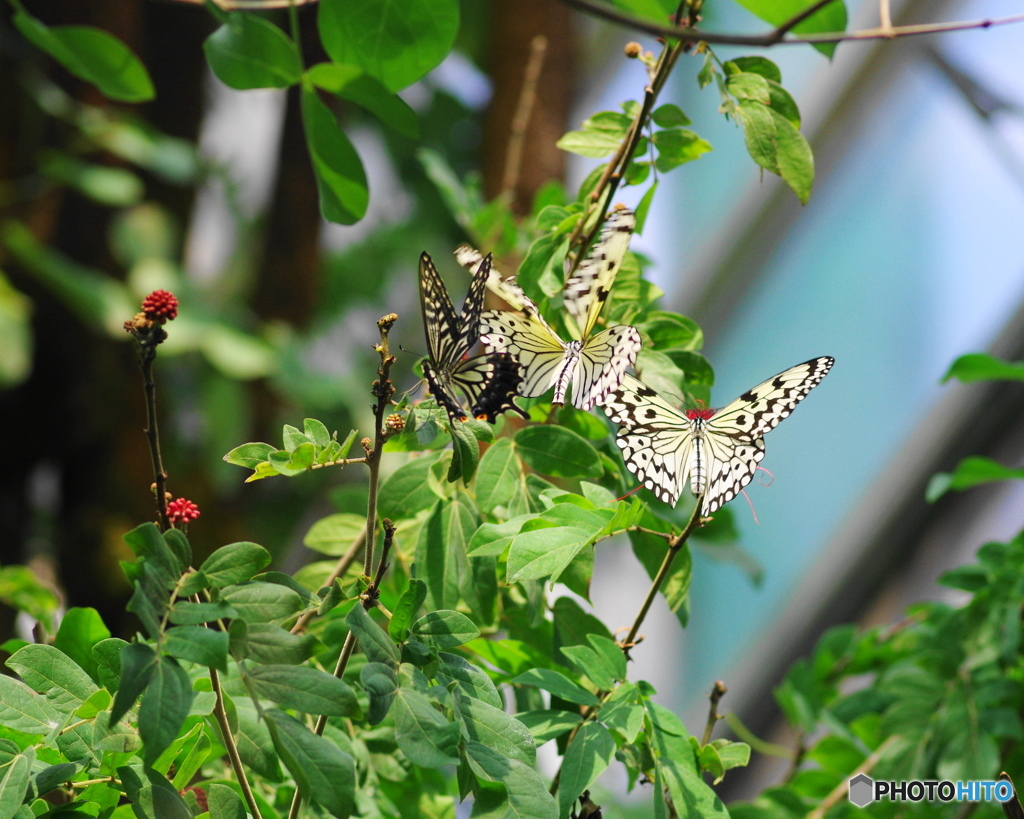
(593, 364)
(717, 451)
(489, 381)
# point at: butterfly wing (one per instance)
(657, 439)
(730, 466)
(733, 435)
(469, 318)
(490, 382)
(602, 362)
(507, 289)
(761, 409)
(439, 320)
(587, 290)
(542, 355)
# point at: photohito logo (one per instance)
(864, 790)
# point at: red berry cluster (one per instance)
(160, 305)
(181, 510)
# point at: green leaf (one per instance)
(249, 455)
(14, 781)
(624, 718)
(187, 613)
(445, 629)
(465, 454)
(80, 630)
(234, 563)
(677, 147)
(497, 730)
(350, 83)
(589, 143)
(323, 772)
(93, 55)
(53, 777)
(671, 331)
(981, 367)
(335, 534)
(395, 43)
(408, 490)
(255, 745)
(546, 545)
(971, 472)
(258, 602)
(754, 65)
(113, 187)
(224, 802)
(558, 684)
(470, 679)
(153, 798)
(251, 52)
(669, 116)
(691, 795)
(52, 673)
(23, 710)
(268, 643)
(441, 553)
(408, 606)
(138, 662)
(831, 18)
(527, 792)
(198, 644)
(374, 641)
(589, 753)
(340, 178)
(748, 87)
(165, 704)
(381, 684)
(423, 734)
(549, 724)
(305, 689)
(794, 157)
(558, 452)
(498, 477)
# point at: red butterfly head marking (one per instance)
(704, 413)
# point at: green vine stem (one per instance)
(221, 715)
(717, 692)
(674, 545)
(147, 355)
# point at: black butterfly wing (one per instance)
(490, 382)
(439, 319)
(472, 307)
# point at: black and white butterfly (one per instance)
(595, 362)
(717, 451)
(489, 381)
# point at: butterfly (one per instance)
(594, 363)
(716, 450)
(489, 381)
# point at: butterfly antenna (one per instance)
(630, 492)
(421, 355)
(762, 481)
(750, 503)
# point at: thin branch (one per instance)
(777, 36)
(339, 570)
(147, 355)
(884, 15)
(717, 692)
(675, 544)
(521, 119)
(383, 390)
(339, 462)
(221, 714)
(840, 790)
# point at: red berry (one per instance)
(160, 305)
(181, 510)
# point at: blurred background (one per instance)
(908, 255)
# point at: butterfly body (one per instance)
(489, 381)
(716, 451)
(595, 362)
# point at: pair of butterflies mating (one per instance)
(718, 452)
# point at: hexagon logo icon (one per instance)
(862, 790)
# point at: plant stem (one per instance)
(383, 391)
(717, 692)
(221, 714)
(674, 546)
(148, 356)
(777, 36)
(339, 570)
